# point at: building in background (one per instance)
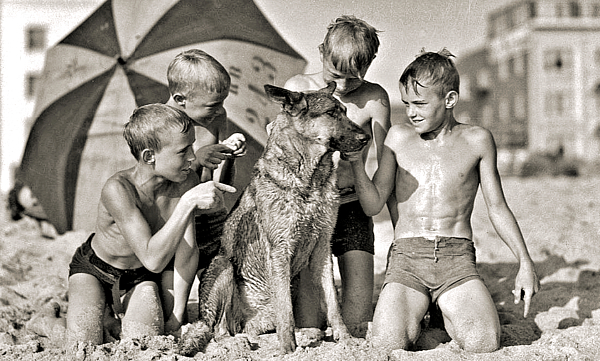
(536, 83)
(27, 29)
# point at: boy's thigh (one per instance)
(86, 308)
(469, 309)
(143, 315)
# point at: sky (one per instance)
(406, 27)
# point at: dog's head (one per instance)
(320, 117)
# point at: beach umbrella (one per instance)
(116, 60)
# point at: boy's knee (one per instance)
(389, 341)
(480, 341)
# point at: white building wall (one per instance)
(59, 17)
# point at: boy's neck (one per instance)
(445, 129)
(146, 181)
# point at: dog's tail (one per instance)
(217, 289)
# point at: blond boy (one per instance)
(346, 53)
(144, 221)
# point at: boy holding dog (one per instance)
(436, 165)
(198, 86)
(144, 221)
(346, 53)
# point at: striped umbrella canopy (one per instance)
(115, 61)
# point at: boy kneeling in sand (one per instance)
(436, 165)
(145, 218)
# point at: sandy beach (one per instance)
(559, 218)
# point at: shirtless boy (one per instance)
(198, 86)
(436, 165)
(144, 220)
(346, 53)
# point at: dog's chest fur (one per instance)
(292, 211)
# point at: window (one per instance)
(596, 10)
(520, 109)
(555, 103)
(556, 59)
(503, 69)
(559, 10)
(519, 64)
(532, 8)
(32, 82)
(597, 57)
(36, 38)
(574, 9)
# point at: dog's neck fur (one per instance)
(300, 173)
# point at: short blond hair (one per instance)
(350, 44)
(195, 70)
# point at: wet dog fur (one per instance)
(281, 224)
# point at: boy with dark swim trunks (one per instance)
(436, 166)
(145, 218)
(347, 52)
(198, 86)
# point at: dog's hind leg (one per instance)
(321, 266)
(217, 289)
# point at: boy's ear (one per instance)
(451, 99)
(148, 156)
(179, 99)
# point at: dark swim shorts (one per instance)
(116, 282)
(209, 228)
(353, 231)
(431, 266)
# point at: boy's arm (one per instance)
(155, 251)
(381, 123)
(186, 262)
(504, 222)
(374, 194)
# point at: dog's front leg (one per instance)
(321, 266)
(282, 302)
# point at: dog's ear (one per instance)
(330, 88)
(293, 103)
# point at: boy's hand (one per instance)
(526, 285)
(237, 143)
(352, 156)
(210, 156)
(209, 194)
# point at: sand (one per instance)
(559, 217)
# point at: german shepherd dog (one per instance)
(281, 224)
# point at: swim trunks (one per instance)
(209, 228)
(431, 267)
(116, 282)
(354, 229)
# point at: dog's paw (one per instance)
(341, 334)
(308, 337)
(194, 339)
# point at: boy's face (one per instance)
(345, 82)
(204, 107)
(174, 160)
(426, 110)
